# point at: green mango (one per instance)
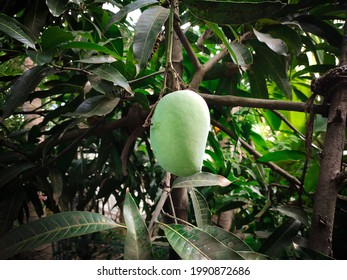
(179, 130)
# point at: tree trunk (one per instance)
(328, 181)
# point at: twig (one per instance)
(146, 76)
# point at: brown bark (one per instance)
(328, 182)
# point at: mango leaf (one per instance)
(99, 105)
(201, 179)
(239, 53)
(227, 238)
(111, 74)
(54, 36)
(281, 238)
(13, 172)
(138, 245)
(90, 46)
(16, 30)
(57, 182)
(293, 212)
(129, 8)
(195, 244)
(274, 67)
(98, 59)
(51, 229)
(36, 16)
(250, 255)
(277, 45)
(282, 155)
(201, 209)
(309, 254)
(23, 86)
(57, 7)
(147, 29)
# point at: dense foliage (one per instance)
(79, 81)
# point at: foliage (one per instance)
(95, 76)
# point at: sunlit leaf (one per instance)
(51, 229)
(201, 179)
(16, 30)
(147, 29)
(282, 155)
(138, 245)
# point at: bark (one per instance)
(328, 181)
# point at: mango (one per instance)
(178, 132)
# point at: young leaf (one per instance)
(51, 229)
(25, 84)
(196, 244)
(129, 8)
(138, 245)
(99, 105)
(201, 179)
(201, 209)
(16, 30)
(281, 238)
(57, 7)
(147, 29)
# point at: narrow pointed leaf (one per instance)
(147, 29)
(227, 238)
(201, 179)
(24, 85)
(129, 8)
(16, 30)
(138, 245)
(239, 53)
(51, 229)
(250, 255)
(195, 244)
(99, 105)
(111, 74)
(308, 254)
(282, 155)
(201, 209)
(281, 238)
(277, 45)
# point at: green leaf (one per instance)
(227, 238)
(51, 229)
(90, 46)
(23, 86)
(55, 36)
(13, 172)
(99, 105)
(16, 30)
(273, 66)
(129, 8)
(282, 155)
(40, 58)
(277, 45)
(281, 238)
(293, 212)
(147, 29)
(201, 179)
(201, 209)
(111, 74)
(141, 98)
(196, 244)
(250, 255)
(138, 245)
(57, 182)
(308, 254)
(36, 17)
(57, 7)
(239, 53)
